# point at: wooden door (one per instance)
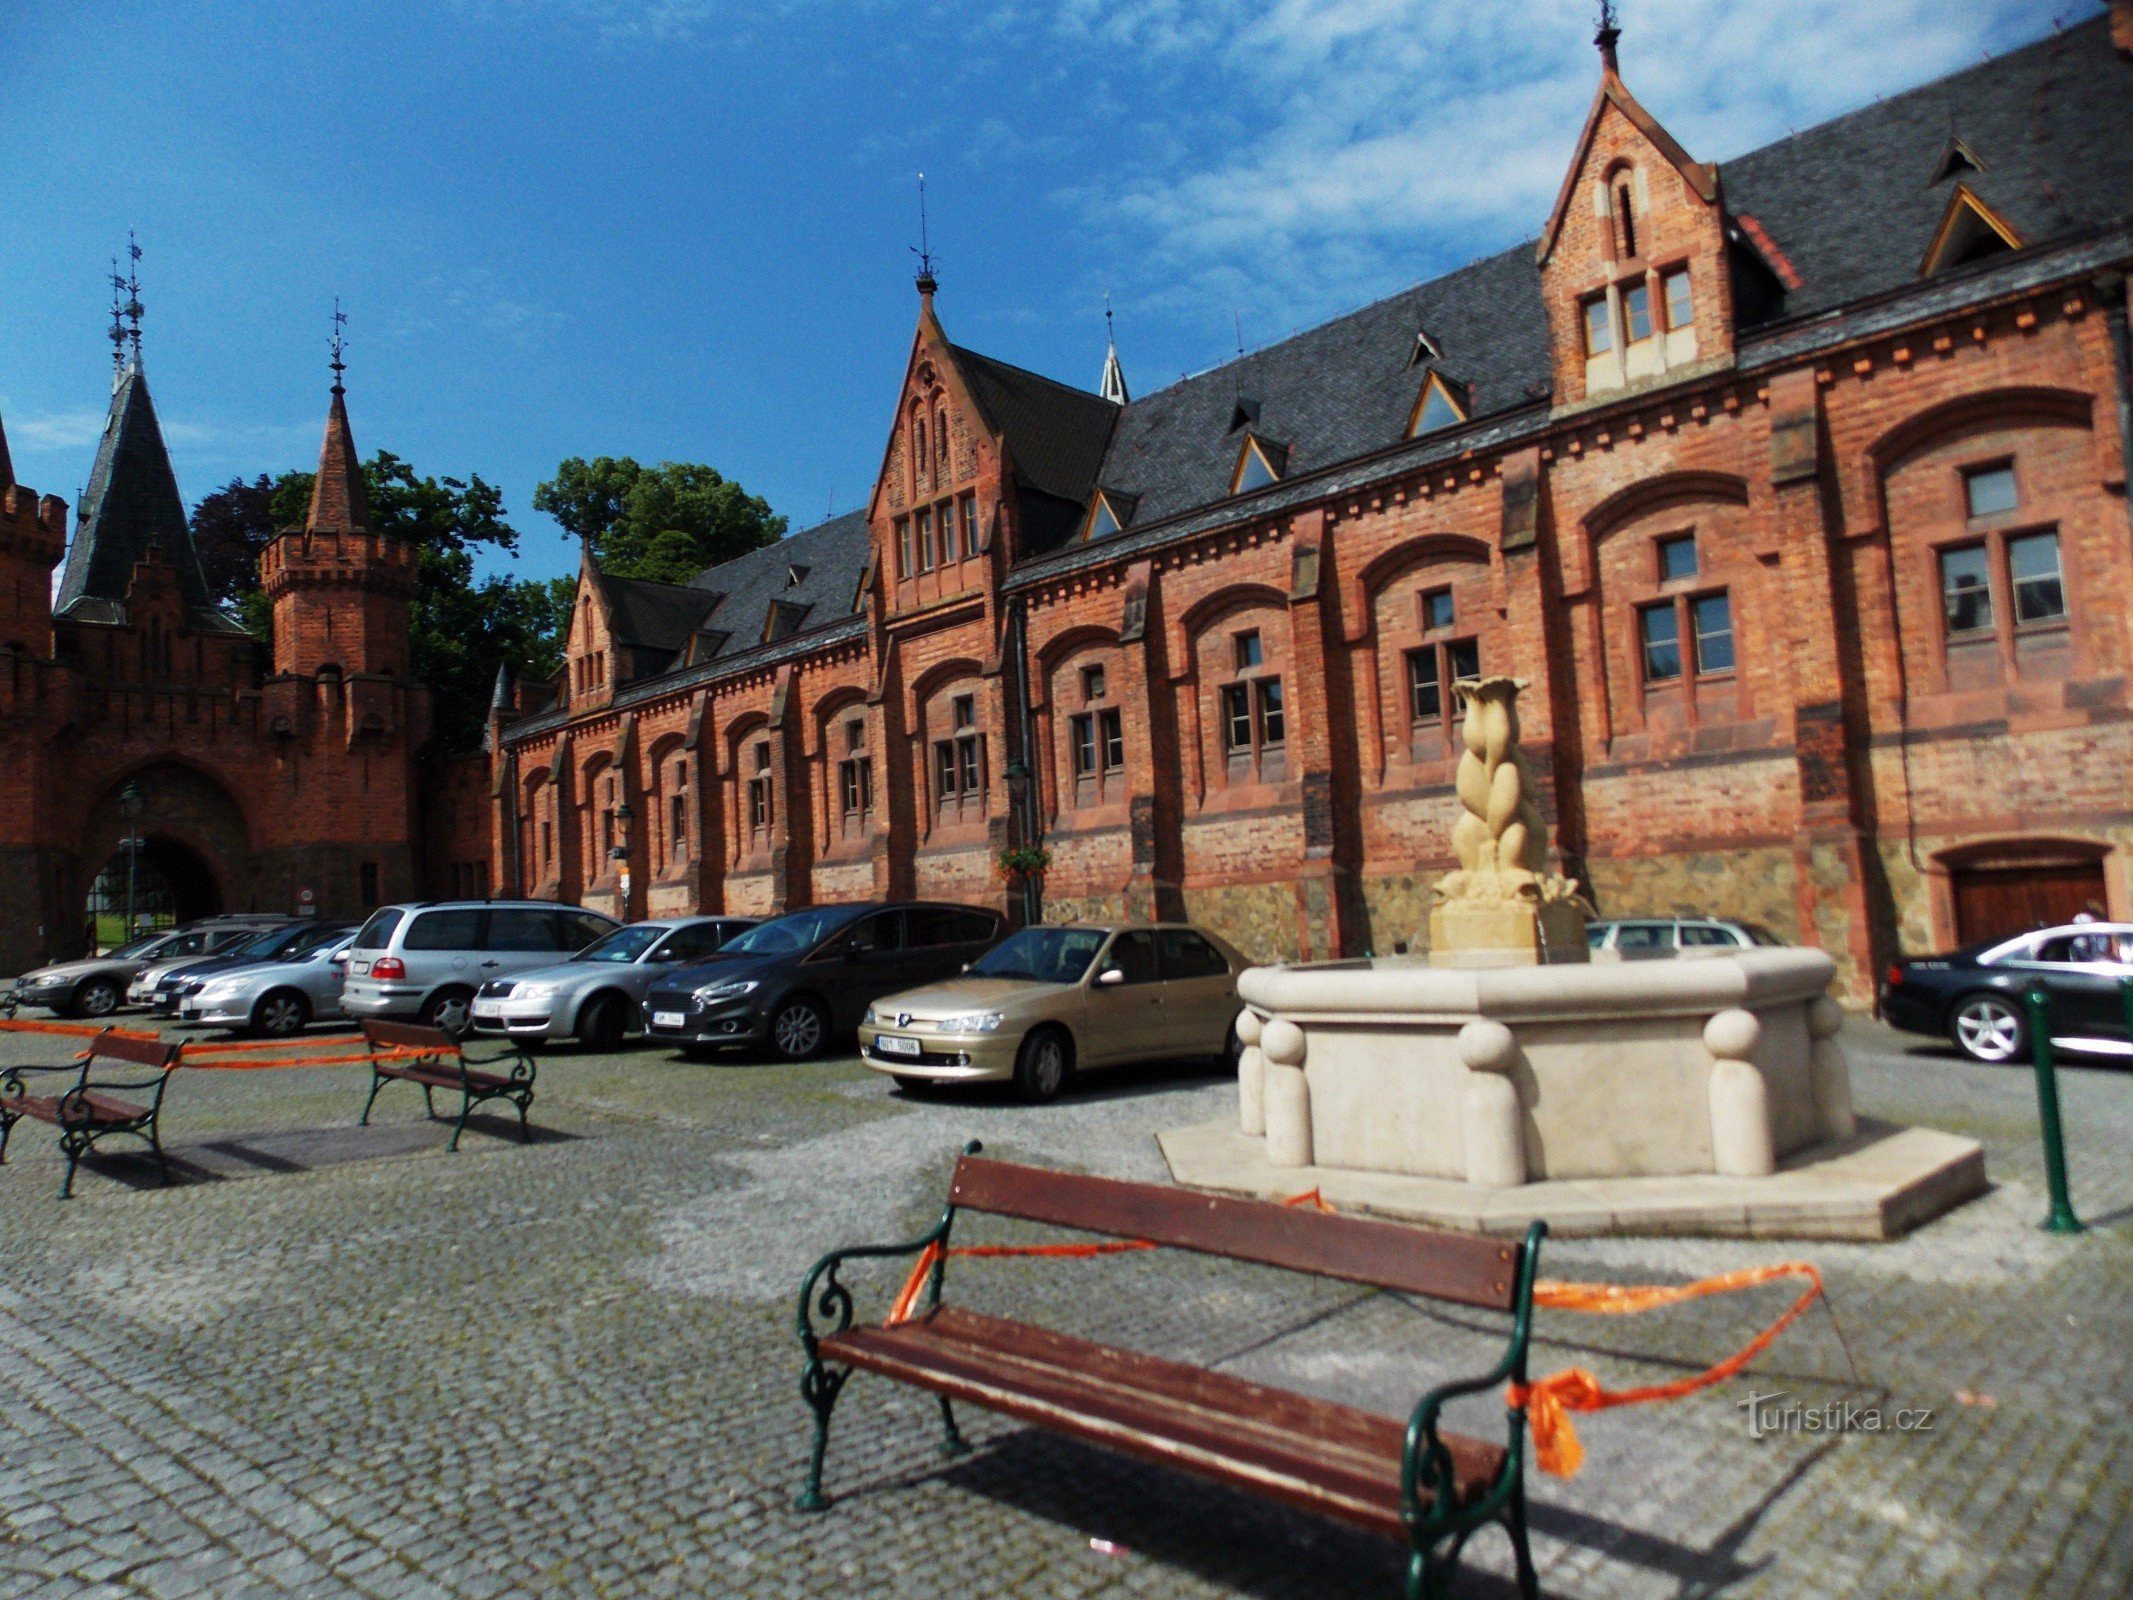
(1991, 902)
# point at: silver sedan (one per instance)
(273, 997)
(598, 994)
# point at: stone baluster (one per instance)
(1741, 1146)
(1829, 1074)
(1489, 1113)
(1251, 1074)
(1287, 1095)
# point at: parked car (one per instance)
(1973, 996)
(425, 960)
(799, 980)
(281, 995)
(1048, 1002)
(598, 994)
(1662, 938)
(96, 986)
(159, 982)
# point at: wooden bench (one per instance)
(90, 1110)
(403, 1052)
(1409, 1481)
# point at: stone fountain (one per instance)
(1508, 1076)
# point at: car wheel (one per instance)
(799, 1028)
(601, 1026)
(1043, 1066)
(450, 1013)
(280, 1014)
(1232, 1050)
(1987, 1027)
(99, 997)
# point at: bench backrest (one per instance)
(159, 1054)
(410, 1036)
(1390, 1255)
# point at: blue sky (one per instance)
(680, 229)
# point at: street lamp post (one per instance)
(131, 804)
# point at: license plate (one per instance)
(488, 1008)
(359, 966)
(666, 1019)
(890, 1045)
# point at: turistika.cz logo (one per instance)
(1778, 1412)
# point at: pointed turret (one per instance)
(340, 589)
(338, 501)
(1113, 384)
(7, 465)
(131, 513)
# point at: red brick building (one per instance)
(1794, 484)
(274, 784)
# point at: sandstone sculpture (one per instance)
(1501, 907)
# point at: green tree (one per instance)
(667, 522)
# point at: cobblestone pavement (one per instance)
(570, 1369)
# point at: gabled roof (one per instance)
(131, 505)
(1342, 389)
(1700, 175)
(1056, 433)
(652, 616)
(829, 558)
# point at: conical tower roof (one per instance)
(338, 503)
(130, 507)
(7, 465)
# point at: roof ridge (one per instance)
(1030, 372)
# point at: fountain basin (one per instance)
(1723, 1064)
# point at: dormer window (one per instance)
(1425, 350)
(1243, 415)
(1255, 468)
(1954, 161)
(1103, 521)
(1438, 407)
(1968, 231)
(795, 576)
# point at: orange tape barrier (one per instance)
(1548, 1401)
(217, 1049)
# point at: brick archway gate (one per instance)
(195, 836)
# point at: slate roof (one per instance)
(132, 503)
(743, 590)
(652, 616)
(1056, 435)
(1849, 204)
(1852, 204)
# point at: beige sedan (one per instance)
(1046, 1003)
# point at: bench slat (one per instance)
(1389, 1255)
(1310, 1453)
(103, 1109)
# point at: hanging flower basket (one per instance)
(1023, 861)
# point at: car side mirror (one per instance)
(852, 952)
(965, 967)
(1111, 975)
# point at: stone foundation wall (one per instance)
(1258, 918)
(1754, 884)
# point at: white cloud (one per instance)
(55, 430)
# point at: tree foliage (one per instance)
(666, 523)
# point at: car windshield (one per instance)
(624, 944)
(140, 947)
(801, 930)
(1043, 955)
(270, 942)
(303, 946)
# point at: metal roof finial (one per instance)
(132, 287)
(1607, 34)
(927, 283)
(337, 344)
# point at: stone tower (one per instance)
(340, 590)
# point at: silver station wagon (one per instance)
(598, 994)
(425, 960)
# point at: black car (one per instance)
(800, 979)
(1974, 996)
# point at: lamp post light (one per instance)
(131, 804)
(1019, 788)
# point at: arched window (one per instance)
(918, 452)
(940, 446)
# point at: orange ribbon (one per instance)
(1549, 1401)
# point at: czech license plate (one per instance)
(359, 966)
(666, 1019)
(890, 1044)
(488, 1008)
